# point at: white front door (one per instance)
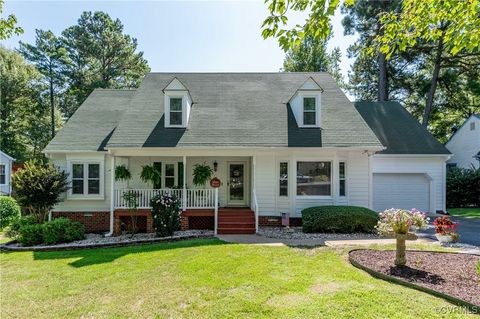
(237, 184)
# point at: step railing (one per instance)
(195, 198)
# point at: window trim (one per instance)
(85, 195)
(170, 111)
(164, 173)
(331, 179)
(4, 174)
(176, 95)
(279, 162)
(315, 111)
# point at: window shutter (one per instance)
(180, 174)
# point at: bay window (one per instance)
(314, 178)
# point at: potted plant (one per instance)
(445, 230)
(150, 174)
(122, 173)
(202, 173)
(397, 223)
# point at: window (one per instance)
(472, 126)
(314, 178)
(2, 174)
(176, 111)
(342, 180)
(283, 191)
(309, 111)
(86, 179)
(169, 175)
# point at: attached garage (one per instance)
(401, 191)
(410, 172)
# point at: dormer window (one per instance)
(306, 105)
(309, 111)
(178, 104)
(176, 111)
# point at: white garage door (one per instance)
(405, 191)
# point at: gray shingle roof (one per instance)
(93, 123)
(398, 130)
(240, 110)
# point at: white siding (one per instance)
(5, 160)
(465, 144)
(85, 205)
(432, 166)
(265, 183)
(357, 179)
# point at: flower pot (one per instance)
(444, 238)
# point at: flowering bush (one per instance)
(444, 226)
(399, 221)
(166, 214)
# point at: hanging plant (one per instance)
(150, 174)
(202, 173)
(122, 173)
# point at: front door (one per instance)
(237, 184)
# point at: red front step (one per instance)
(236, 221)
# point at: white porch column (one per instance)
(112, 194)
(184, 194)
(215, 225)
(254, 173)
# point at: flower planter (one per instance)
(444, 238)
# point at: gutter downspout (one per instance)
(112, 194)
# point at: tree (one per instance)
(50, 58)
(100, 55)
(312, 56)
(8, 26)
(451, 28)
(38, 187)
(23, 115)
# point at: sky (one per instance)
(178, 36)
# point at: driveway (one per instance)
(468, 229)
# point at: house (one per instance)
(6, 163)
(464, 144)
(278, 142)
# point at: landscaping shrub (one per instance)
(31, 235)
(338, 219)
(38, 187)
(9, 210)
(463, 187)
(166, 214)
(62, 230)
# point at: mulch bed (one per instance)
(452, 274)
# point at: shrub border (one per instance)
(62, 247)
(475, 309)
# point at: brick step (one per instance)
(226, 231)
(236, 225)
(236, 216)
(242, 213)
(235, 221)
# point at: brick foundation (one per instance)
(94, 222)
(276, 221)
(122, 221)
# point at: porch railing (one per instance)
(195, 198)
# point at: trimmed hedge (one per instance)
(463, 187)
(338, 219)
(59, 230)
(9, 210)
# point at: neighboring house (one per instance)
(6, 163)
(279, 143)
(465, 144)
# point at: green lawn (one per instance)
(201, 279)
(464, 212)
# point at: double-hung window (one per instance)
(314, 178)
(2, 174)
(170, 176)
(283, 191)
(86, 179)
(176, 112)
(342, 174)
(309, 111)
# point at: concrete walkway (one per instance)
(260, 240)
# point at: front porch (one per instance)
(229, 208)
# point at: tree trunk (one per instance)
(433, 84)
(382, 78)
(52, 105)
